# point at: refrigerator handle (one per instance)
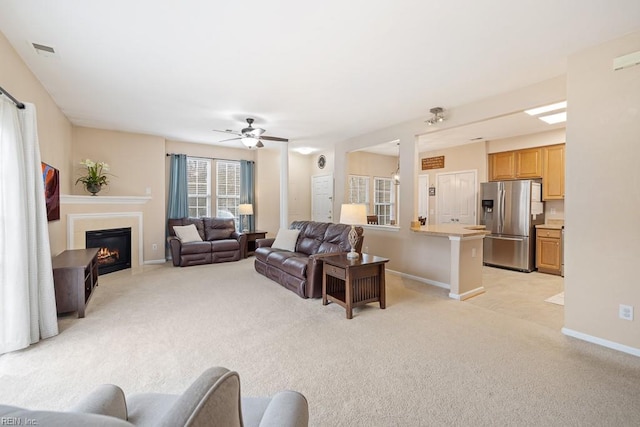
(502, 209)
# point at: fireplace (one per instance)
(115, 248)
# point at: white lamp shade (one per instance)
(353, 214)
(245, 209)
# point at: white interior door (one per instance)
(322, 198)
(456, 197)
(446, 198)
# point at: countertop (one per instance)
(552, 224)
(459, 230)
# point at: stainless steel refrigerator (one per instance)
(510, 211)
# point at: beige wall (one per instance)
(54, 129)
(137, 164)
(603, 194)
(556, 136)
(299, 187)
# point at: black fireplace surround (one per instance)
(115, 248)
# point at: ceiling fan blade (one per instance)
(259, 144)
(230, 139)
(274, 138)
(227, 132)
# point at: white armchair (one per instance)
(212, 400)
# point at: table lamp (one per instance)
(244, 210)
(353, 214)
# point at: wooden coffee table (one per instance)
(351, 283)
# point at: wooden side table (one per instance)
(75, 275)
(351, 283)
(252, 236)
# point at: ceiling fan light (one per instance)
(249, 142)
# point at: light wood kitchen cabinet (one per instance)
(553, 172)
(502, 166)
(518, 164)
(529, 163)
(549, 250)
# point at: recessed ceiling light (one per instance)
(554, 118)
(546, 108)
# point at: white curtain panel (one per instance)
(27, 296)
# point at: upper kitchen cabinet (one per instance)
(529, 163)
(502, 166)
(518, 164)
(553, 172)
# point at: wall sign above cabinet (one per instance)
(433, 163)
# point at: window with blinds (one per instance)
(359, 189)
(227, 188)
(199, 186)
(383, 200)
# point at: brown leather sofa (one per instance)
(301, 271)
(220, 242)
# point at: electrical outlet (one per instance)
(154, 246)
(366, 249)
(473, 252)
(626, 312)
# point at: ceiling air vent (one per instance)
(43, 50)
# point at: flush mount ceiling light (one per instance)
(438, 116)
(559, 115)
(554, 118)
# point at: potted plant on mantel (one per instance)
(96, 176)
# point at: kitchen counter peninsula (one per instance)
(465, 255)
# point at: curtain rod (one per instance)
(19, 104)
(210, 158)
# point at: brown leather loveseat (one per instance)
(301, 270)
(219, 242)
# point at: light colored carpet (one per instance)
(425, 360)
(556, 299)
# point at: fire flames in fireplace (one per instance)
(108, 256)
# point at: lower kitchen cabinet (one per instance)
(549, 250)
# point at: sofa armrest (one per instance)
(265, 243)
(242, 240)
(106, 399)
(175, 246)
(286, 409)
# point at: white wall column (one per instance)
(284, 185)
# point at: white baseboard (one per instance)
(155, 261)
(466, 295)
(600, 341)
(420, 279)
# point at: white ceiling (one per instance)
(317, 73)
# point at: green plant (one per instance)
(96, 173)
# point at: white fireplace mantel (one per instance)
(71, 199)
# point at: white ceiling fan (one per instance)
(250, 136)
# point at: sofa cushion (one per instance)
(187, 233)
(196, 248)
(286, 239)
(218, 228)
(224, 245)
(311, 237)
(296, 266)
(336, 239)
